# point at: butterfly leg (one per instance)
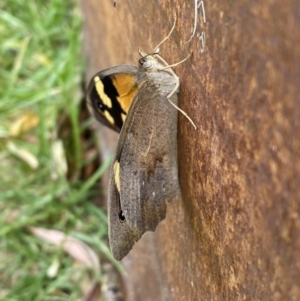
(176, 107)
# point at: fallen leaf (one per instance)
(23, 154)
(24, 124)
(73, 246)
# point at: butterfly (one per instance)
(138, 102)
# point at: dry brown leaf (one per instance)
(24, 124)
(24, 155)
(73, 246)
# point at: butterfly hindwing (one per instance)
(144, 176)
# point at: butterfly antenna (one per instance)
(156, 49)
(123, 27)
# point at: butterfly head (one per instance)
(150, 61)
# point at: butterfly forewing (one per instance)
(110, 93)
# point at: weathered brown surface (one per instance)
(235, 235)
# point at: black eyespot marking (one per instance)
(101, 106)
(121, 217)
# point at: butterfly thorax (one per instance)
(152, 69)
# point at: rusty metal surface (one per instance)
(235, 235)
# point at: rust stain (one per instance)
(234, 235)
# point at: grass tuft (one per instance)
(41, 71)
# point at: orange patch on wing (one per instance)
(127, 87)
